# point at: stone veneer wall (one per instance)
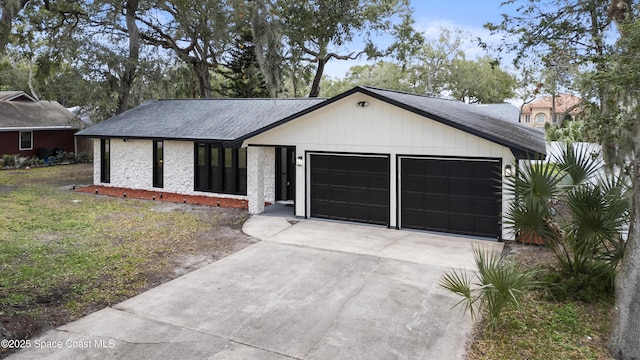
(132, 168)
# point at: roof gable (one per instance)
(523, 141)
(15, 96)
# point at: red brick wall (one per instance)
(63, 139)
(165, 196)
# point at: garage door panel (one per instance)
(461, 205)
(436, 221)
(458, 195)
(413, 183)
(436, 203)
(377, 181)
(358, 188)
(459, 169)
(379, 197)
(434, 185)
(461, 187)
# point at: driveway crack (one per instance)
(355, 293)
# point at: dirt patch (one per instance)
(529, 255)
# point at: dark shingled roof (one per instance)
(232, 121)
(36, 115)
(199, 119)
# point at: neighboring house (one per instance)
(368, 155)
(35, 128)
(541, 111)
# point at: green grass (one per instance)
(541, 328)
(73, 251)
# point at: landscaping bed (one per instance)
(541, 326)
(65, 254)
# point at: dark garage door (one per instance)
(351, 188)
(456, 196)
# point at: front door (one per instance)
(285, 173)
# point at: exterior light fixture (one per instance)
(362, 104)
(299, 161)
(508, 171)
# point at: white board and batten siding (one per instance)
(379, 128)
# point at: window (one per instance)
(105, 163)
(26, 140)
(527, 118)
(555, 118)
(158, 163)
(541, 119)
(220, 170)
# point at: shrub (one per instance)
(587, 287)
(498, 284)
(9, 160)
(32, 161)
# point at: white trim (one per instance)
(20, 140)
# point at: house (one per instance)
(368, 155)
(540, 112)
(35, 128)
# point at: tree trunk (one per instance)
(315, 87)
(625, 334)
(204, 78)
(131, 62)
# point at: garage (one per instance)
(454, 195)
(350, 187)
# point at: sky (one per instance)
(432, 15)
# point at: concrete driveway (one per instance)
(310, 290)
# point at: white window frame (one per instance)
(544, 117)
(30, 140)
(527, 118)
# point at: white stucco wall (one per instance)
(269, 163)
(379, 128)
(132, 167)
(97, 160)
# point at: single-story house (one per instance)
(368, 155)
(35, 128)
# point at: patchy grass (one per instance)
(64, 254)
(541, 328)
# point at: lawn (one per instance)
(64, 254)
(542, 328)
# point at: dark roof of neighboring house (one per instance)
(15, 96)
(18, 115)
(504, 111)
(198, 119)
(232, 121)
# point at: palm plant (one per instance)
(534, 187)
(497, 285)
(586, 236)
